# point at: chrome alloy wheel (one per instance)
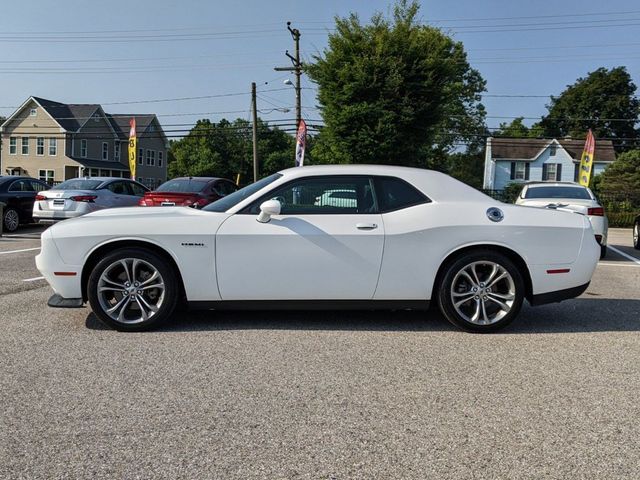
(131, 290)
(636, 233)
(483, 292)
(11, 220)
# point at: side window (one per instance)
(137, 190)
(118, 188)
(323, 195)
(21, 186)
(395, 194)
(38, 187)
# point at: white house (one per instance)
(509, 160)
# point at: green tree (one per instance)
(604, 102)
(394, 91)
(517, 129)
(225, 149)
(623, 175)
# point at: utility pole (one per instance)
(297, 68)
(254, 111)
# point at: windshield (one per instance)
(580, 193)
(225, 203)
(183, 185)
(79, 184)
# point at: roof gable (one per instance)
(504, 148)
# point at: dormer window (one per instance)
(33, 112)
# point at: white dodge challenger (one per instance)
(402, 238)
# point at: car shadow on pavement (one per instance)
(581, 315)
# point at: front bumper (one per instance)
(64, 279)
(57, 301)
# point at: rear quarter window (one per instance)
(395, 194)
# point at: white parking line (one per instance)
(625, 255)
(18, 251)
(33, 279)
(617, 264)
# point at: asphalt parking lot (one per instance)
(321, 394)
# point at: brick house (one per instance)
(55, 141)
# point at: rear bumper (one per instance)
(57, 301)
(55, 215)
(558, 296)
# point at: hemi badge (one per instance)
(560, 270)
(65, 274)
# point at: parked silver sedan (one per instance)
(80, 196)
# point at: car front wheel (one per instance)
(133, 289)
(11, 219)
(481, 291)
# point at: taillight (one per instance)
(40, 197)
(142, 203)
(84, 198)
(200, 203)
(596, 211)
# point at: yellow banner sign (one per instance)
(133, 148)
(586, 162)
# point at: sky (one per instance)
(112, 53)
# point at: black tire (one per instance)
(483, 302)
(11, 219)
(603, 251)
(636, 235)
(143, 262)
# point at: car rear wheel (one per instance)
(636, 235)
(11, 220)
(481, 291)
(133, 289)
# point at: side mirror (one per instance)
(267, 209)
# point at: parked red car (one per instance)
(193, 192)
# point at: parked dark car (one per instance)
(19, 193)
(194, 192)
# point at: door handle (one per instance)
(366, 226)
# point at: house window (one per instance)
(33, 112)
(13, 145)
(551, 172)
(140, 156)
(94, 172)
(519, 171)
(552, 151)
(46, 176)
(151, 158)
(149, 182)
(160, 157)
(96, 117)
(83, 148)
(53, 147)
(40, 146)
(105, 151)
(25, 145)
(116, 152)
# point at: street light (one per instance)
(288, 82)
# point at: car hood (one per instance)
(140, 222)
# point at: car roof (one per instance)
(201, 179)
(8, 178)
(555, 184)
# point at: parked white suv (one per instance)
(569, 196)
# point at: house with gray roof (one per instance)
(520, 160)
(56, 141)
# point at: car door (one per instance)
(21, 196)
(134, 193)
(313, 250)
(120, 194)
